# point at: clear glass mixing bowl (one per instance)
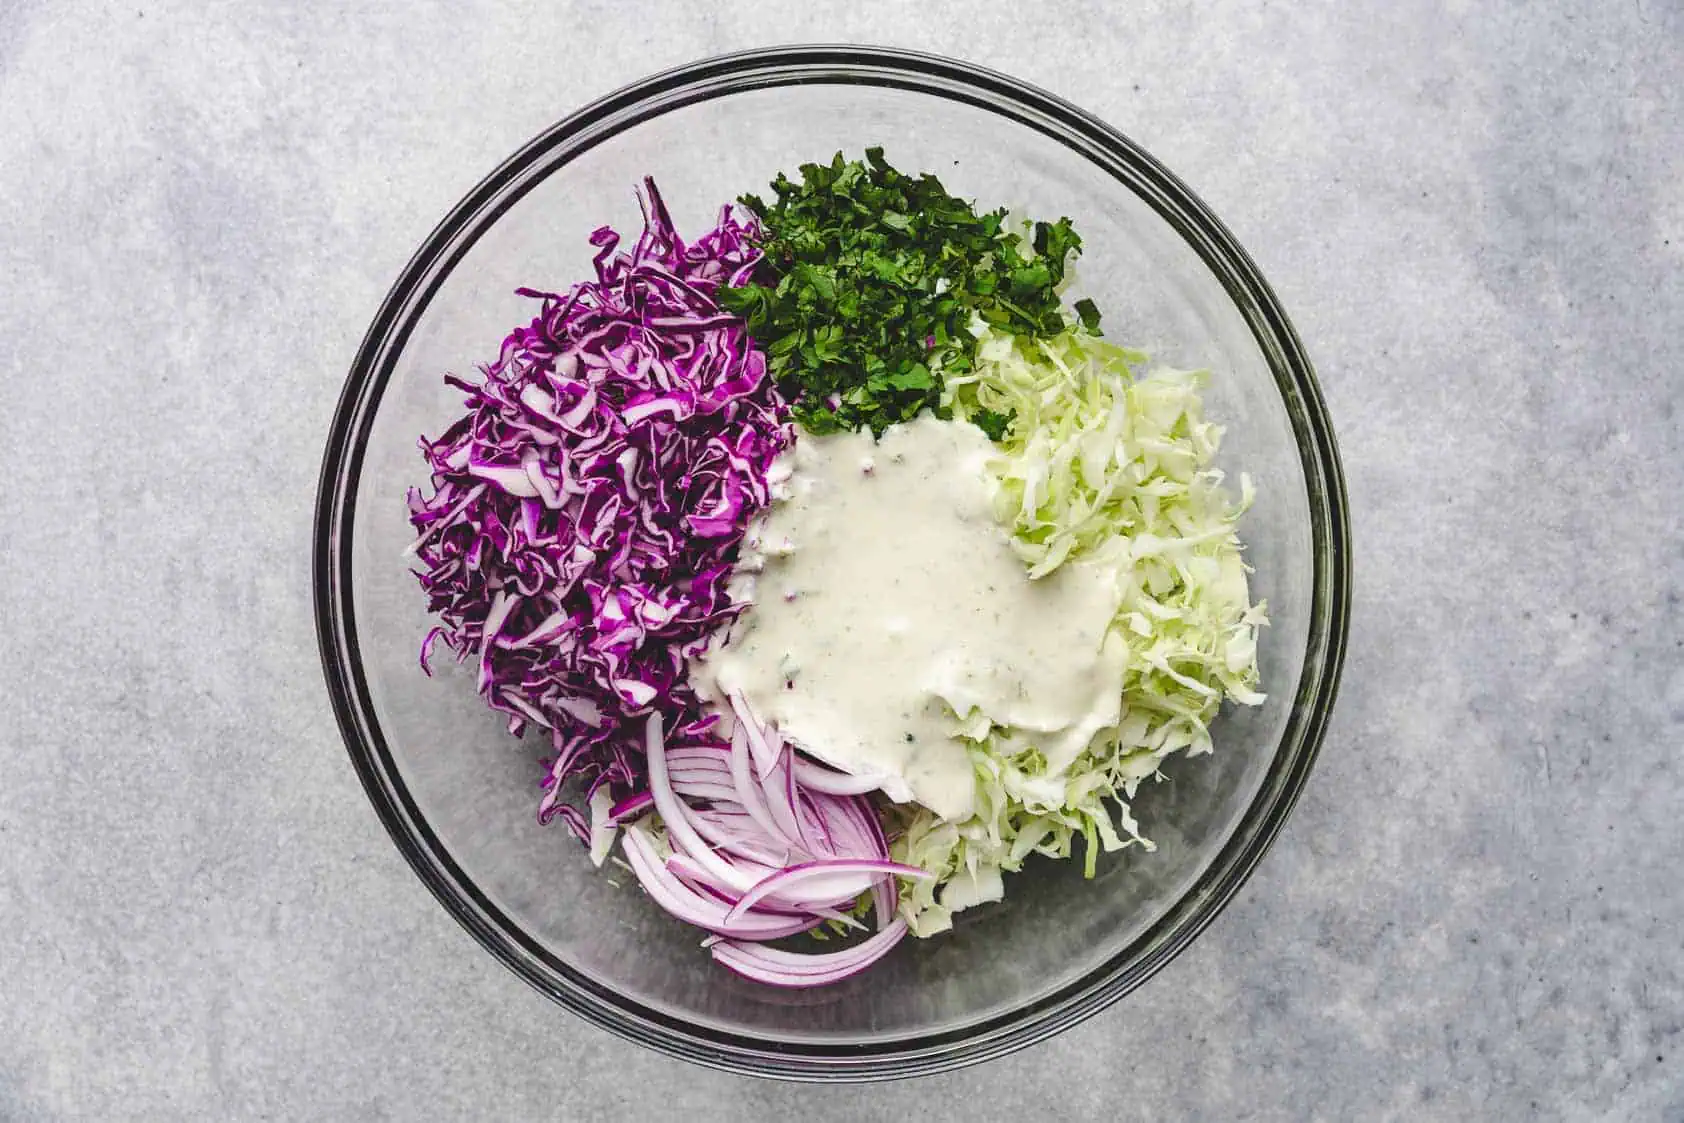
(459, 795)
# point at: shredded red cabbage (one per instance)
(587, 510)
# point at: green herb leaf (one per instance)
(1089, 312)
(992, 423)
(871, 280)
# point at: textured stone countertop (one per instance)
(1474, 213)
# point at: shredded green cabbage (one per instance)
(1106, 461)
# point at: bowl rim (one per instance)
(1135, 170)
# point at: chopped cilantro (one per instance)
(991, 423)
(870, 280)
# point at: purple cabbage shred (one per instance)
(587, 510)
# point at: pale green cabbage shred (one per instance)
(1108, 461)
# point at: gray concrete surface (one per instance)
(1475, 213)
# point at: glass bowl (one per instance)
(459, 795)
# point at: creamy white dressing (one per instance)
(887, 603)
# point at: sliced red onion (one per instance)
(753, 800)
(703, 789)
(818, 829)
(762, 854)
(739, 842)
(822, 779)
(885, 898)
(701, 761)
(780, 805)
(857, 831)
(707, 773)
(823, 899)
(673, 812)
(701, 756)
(701, 881)
(781, 883)
(871, 831)
(764, 755)
(689, 906)
(784, 969)
(726, 815)
(697, 878)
